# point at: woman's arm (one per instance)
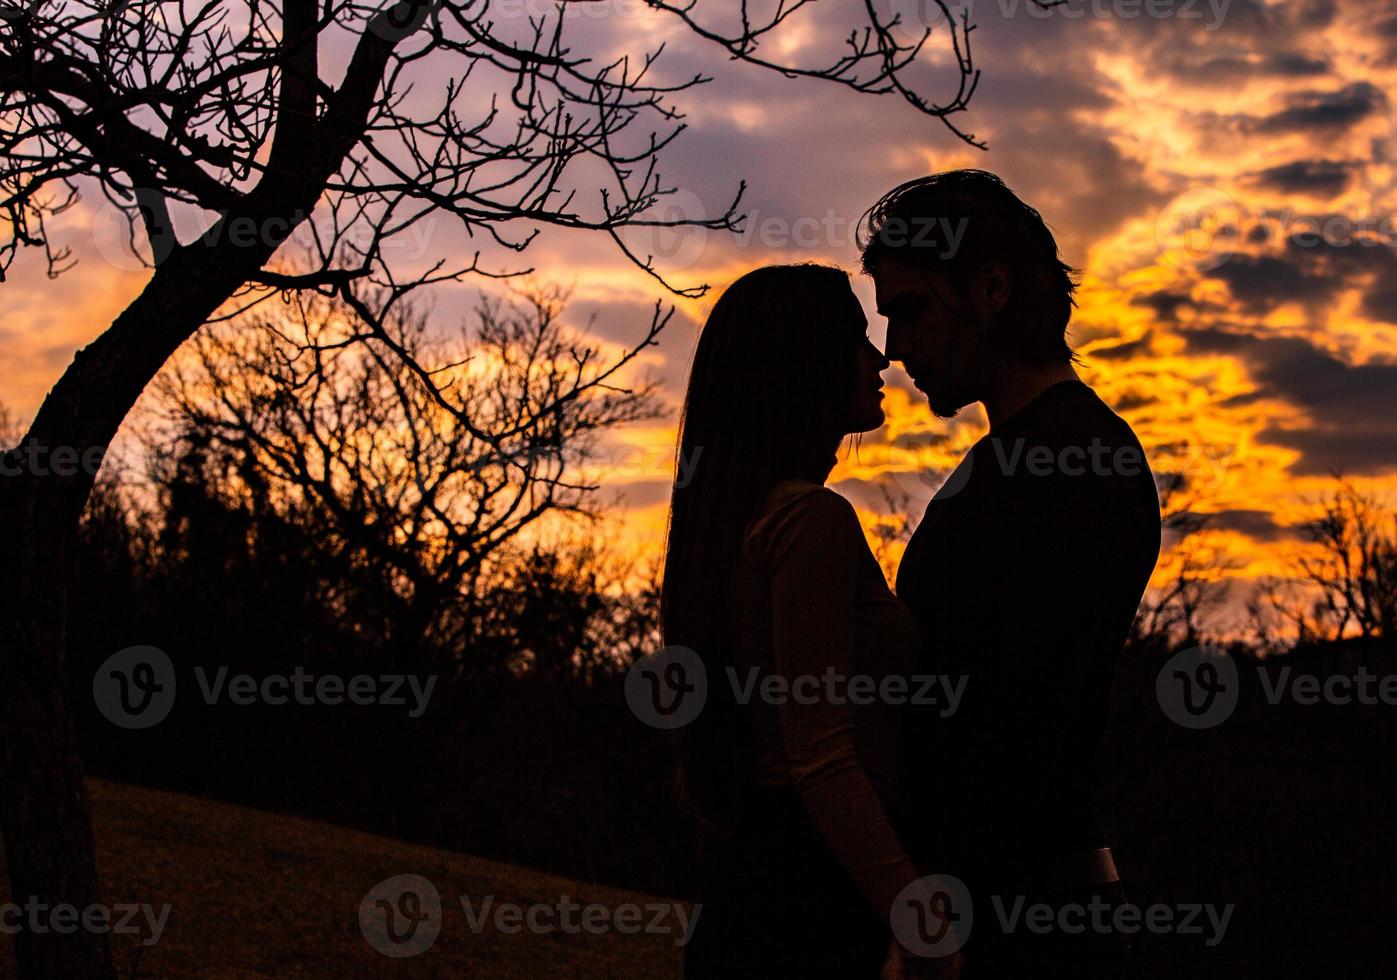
(814, 568)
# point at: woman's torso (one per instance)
(887, 641)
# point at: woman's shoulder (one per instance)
(806, 499)
(799, 508)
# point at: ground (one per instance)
(255, 894)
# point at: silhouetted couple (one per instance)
(905, 785)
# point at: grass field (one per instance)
(253, 894)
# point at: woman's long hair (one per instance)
(769, 398)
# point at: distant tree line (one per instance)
(303, 502)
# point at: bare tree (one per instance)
(10, 429)
(891, 530)
(1182, 612)
(1353, 569)
(1345, 585)
(346, 438)
(350, 439)
(353, 121)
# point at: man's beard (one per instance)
(944, 406)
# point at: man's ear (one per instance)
(991, 287)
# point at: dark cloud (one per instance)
(1328, 177)
(1133, 400)
(1381, 303)
(1259, 525)
(1230, 69)
(1351, 406)
(1250, 398)
(1263, 282)
(1295, 65)
(1165, 303)
(1320, 110)
(1321, 256)
(1333, 450)
(1123, 352)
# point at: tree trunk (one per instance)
(44, 814)
(43, 802)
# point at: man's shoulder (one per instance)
(1081, 411)
(1079, 451)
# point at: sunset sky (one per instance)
(1223, 173)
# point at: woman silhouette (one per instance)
(769, 579)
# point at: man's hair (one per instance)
(955, 222)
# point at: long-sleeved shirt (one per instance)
(811, 607)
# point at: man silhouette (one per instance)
(1025, 572)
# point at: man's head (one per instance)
(970, 280)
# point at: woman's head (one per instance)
(784, 363)
(782, 372)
